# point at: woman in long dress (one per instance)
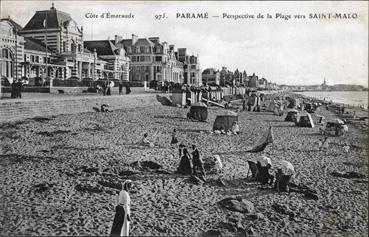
(122, 212)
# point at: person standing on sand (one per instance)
(197, 162)
(185, 166)
(122, 211)
(174, 140)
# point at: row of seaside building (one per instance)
(51, 45)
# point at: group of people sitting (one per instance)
(261, 172)
(103, 108)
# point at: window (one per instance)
(134, 59)
(129, 49)
(44, 59)
(137, 49)
(37, 59)
(142, 49)
(147, 58)
(73, 47)
(147, 49)
(158, 59)
(32, 58)
(142, 58)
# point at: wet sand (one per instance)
(61, 174)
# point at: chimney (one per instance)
(134, 39)
(182, 51)
(117, 38)
(155, 40)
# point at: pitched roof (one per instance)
(15, 24)
(55, 18)
(103, 47)
(34, 44)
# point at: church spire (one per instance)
(52, 5)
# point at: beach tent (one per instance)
(198, 112)
(225, 122)
(164, 100)
(335, 127)
(304, 120)
(291, 113)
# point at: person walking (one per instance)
(197, 162)
(128, 88)
(122, 211)
(14, 90)
(104, 88)
(120, 88)
(19, 86)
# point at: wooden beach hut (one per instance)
(291, 115)
(304, 120)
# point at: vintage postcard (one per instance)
(184, 118)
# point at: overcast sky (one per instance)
(293, 51)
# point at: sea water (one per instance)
(355, 98)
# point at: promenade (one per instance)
(46, 104)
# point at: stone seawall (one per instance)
(18, 109)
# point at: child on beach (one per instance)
(145, 141)
(235, 128)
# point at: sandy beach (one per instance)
(61, 174)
